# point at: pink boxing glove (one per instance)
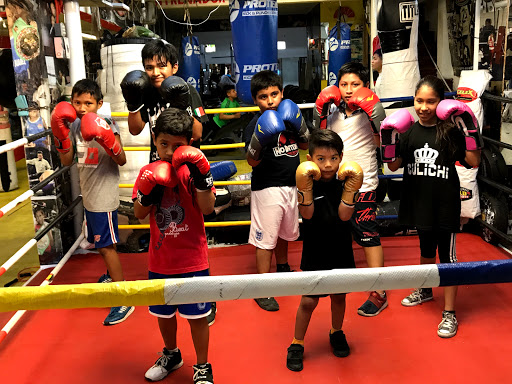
(390, 128)
(464, 119)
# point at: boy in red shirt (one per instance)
(176, 191)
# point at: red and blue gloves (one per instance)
(152, 180)
(62, 116)
(293, 119)
(393, 125)
(462, 116)
(197, 164)
(269, 124)
(328, 96)
(94, 127)
(368, 101)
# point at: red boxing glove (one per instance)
(197, 163)
(151, 176)
(368, 101)
(94, 127)
(329, 95)
(63, 114)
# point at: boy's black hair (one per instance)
(162, 50)
(325, 138)
(228, 87)
(263, 80)
(87, 86)
(378, 52)
(33, 105)
(174, 122)
(357, 69)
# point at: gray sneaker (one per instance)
(418, 296)
(448, 326)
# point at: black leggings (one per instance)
(443, 241)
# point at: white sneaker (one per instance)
(448, 326)
(168, 362)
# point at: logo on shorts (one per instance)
(259, 235)
(97, 238)
(201, 306)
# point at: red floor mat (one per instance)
(248, 345)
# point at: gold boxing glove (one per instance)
(306, 172)
(352, 173)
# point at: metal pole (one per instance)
(76, 72)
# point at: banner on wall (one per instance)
(461, 21)
(339, 50)
(254, 35)
(190, 68)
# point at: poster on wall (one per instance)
(32, 26)
(461, 21)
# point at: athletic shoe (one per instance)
(211, 315)
(118, 315)
(168, 362)
(283, 268)
(268, 304)
(294, 357)
(418, 296)
(105, 278)
(448, 326)
(339, 344)
(203, 374)
(374, 305)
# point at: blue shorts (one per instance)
(187, 311)
(102, 228)
(364, 224)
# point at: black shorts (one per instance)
(442, 241)
(364, 223)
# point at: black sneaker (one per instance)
(211, 315)
(168, 362)
(268, 304)
(203, 374)
(295, 357)
(283, 268)
(339, 344)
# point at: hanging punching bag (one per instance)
(339, 50)
(254, 35)
(190, 68)
(397, 27)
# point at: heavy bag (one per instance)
(190, 68)
(339, 50)
(254, 35)
(397, 28)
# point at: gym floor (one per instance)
(248, 345)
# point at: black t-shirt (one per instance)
(279, 161)
(327, 240)
(430, 190)
(155, 105)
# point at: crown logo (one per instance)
(426, 155)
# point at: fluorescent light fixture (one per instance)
(210, 48)
(88, 37)
(281, 45)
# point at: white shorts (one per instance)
(274, 213)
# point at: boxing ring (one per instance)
(57, 317)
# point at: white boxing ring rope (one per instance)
(49, 279)
(235, 287)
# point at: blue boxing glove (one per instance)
(222, 170)
(293, 119)
(268, 125)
